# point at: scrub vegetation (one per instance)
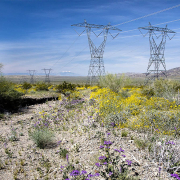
(110, 131)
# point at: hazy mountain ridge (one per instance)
(174, 72)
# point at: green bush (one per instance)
(141, 144)
(42, 137)
(116, 119)
(26, 86)
(114, 82)
(10, 99)
(65, 87)
(1, 68)
(63, 152)
(161, 88)
(42, 86)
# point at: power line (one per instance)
(152, 25)
(132, 29)
(66, 51)
(167, 22)
(167, 9)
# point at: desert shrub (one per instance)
(166, 151)
(63, 153)
(42, 86)
(124, 133)
(26, 86)
(161, 88)
(140, 143)
(42, 137)
(65, 87)
(1, 164)
(160, 121)
(116, 119)
(10, 98)
(113, 82)
(1, 68)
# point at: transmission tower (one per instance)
(31, 73)
(47, 72)
(156, 66)
(96, 67)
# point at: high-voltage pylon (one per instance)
(156, 51)
(96, 67)
(47, 72)
(31, 73)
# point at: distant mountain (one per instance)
(63, 73)
(175, 72)
(67, 73)
(15, 74)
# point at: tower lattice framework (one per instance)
(156, 66)
(31, 73)
(96, 67)
(47, 72)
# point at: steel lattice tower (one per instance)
(47, 72)
(96, 67)
(156, 51)
(31, 73)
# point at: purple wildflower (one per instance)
(102, 157)
(58, 142)
(110, 173)
(107, 142)
(105, 163)
(101, 147)
(113, 124)
(97, 174)
(124, 155)
(90, 175)
(170, 142)
(97, 164)
(83, 172)
(129, 162)
(67, 158)
(75, 173)
(119, 150)
(176, 176)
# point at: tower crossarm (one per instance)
(87, 25)
(152, 28)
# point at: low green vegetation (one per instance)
(97, 116)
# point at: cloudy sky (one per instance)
(37, 34)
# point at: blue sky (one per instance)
(37, 34)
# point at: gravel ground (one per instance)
(80, 135)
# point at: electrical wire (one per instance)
(66, 51)
(74, 57)
(132, 29)
(167, 9)
(167, 22)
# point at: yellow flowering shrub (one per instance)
(142, 112)
(80, 88)
(19, 89)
